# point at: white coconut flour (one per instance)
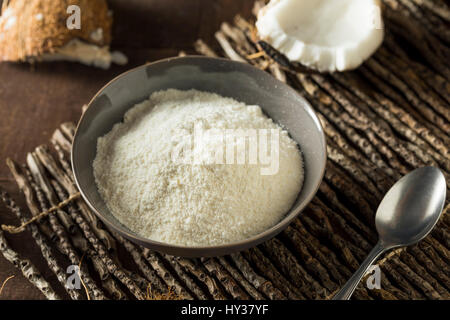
(166, 182)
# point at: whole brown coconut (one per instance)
(31, 28)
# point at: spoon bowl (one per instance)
(411, 208)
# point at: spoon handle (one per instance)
(347, 290)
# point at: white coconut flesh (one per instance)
(85, 53)
(326, 35)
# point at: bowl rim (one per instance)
(203, 251)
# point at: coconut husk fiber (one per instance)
(29, 29)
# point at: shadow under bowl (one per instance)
(239, 81)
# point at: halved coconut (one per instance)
(37, 30)
(326, 35)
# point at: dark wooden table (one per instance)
(34, 101)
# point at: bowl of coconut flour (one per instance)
(198, 156)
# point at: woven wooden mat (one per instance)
(383, 120)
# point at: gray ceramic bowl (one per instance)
(227, 78)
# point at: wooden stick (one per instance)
(218, 271)
(432, 23)
(267, 269)
(434, 257)
(354, 170)
(284, 260)
(113, 289)
(434, 284)
(197, 270)
(39, 176)
(410, 86)
(228, 49)
(404, 123)
(157, 264)
(409, 31)
(263, 285)
(439, 9)
(101, 250)
(65, 244)
(328, 258)
(325, 216)
(427, 289)
(379, 128)
(426, 116)
(370, 148)
(311, 263)
(249, 288)
(238, 37)
(444, 252)
(28, 269)
(345, 215)
(43, 225)
(434, 81)
(149, 274)
(409, 78)
(43, 246)
(335, 177)
(192, 285)
(382, 178)
(64, 180)
(202, 47)
(68, 128)
(83, 245)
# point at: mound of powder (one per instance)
(163, 180)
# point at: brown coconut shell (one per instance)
(30, 28)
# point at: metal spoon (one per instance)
(406, 215)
